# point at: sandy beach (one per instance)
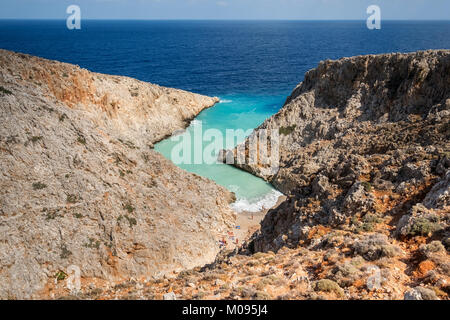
(247, 223)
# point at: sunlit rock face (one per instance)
(366, 136)
(81, 185)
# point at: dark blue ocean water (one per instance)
(251, 65)
(216, 57)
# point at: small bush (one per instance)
(371, 218)
(81, 140)
(129, 207)
(287, 130)
(52, 215)
(60, 275)
(423, 227)
(4, 91)
(375, 246)
(131, 221)
(432, 247)
(35, 139)
(369, 222)
(367, 186)
(71, 198)
(93, 244)
(39, 186)
(62, 117)
(327, 285)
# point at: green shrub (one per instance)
(4, 91)
(39, 186)
(62, 117)
(52, 215)
(131, 221)
(432, 247)
(287, 130)
(371, 218)
(60, 275)
(81, 140)
(327, 285)
(35, 138)
(93, 244)
(367, 186)
(423, 227)
(71, 198)
(129, 207)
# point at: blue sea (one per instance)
(252, 66)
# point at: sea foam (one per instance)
(255, 205)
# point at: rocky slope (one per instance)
(365, 149)
(80, 184)
(364, 136)
(365, 165)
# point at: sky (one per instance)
(227, 9)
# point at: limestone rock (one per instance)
(170, 296)
(80, 185)
(357, 136)
(420, 293)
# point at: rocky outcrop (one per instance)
(80, 184)
(364, 147)
(359, 136)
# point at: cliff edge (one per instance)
(81, 186)
(364, 138)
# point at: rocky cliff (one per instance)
(364, 136)
(365, 163)
(80, 184)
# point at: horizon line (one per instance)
(189, 19)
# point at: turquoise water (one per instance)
(233, 112)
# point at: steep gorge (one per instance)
(365, 166)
